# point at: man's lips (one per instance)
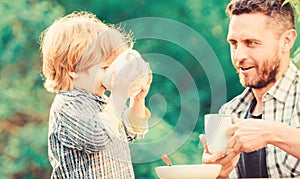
(245, 69)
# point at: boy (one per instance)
(87, 137)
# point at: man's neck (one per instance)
(258, 94)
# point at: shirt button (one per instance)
(267, 96)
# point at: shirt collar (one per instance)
(281, 88)
(81, 92)
(242, 102)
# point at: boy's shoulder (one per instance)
(71, 100)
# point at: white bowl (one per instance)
(194, 171)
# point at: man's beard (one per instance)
(266, 74)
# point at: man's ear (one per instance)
(288, 39)
(74, 75)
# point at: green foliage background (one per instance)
(24, 103)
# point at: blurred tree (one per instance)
(296, 54)
(24, 104)
(19, 52)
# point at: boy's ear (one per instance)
(74, 75)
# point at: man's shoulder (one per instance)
(239, 102)
(289, 79)
(293, 72)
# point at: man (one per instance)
(265, 135)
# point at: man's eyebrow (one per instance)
(231, 40)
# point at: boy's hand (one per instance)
(130, 74)
(141, 86)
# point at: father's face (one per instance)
(254, 50)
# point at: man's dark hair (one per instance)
(281, 16)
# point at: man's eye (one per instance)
(251, 43)
(233, 45)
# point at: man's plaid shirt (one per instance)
(281, 104)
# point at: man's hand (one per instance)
(228, 159)
(249, 135)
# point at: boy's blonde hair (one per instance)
(75, 43)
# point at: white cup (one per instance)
(128, 56)
(215, 131)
